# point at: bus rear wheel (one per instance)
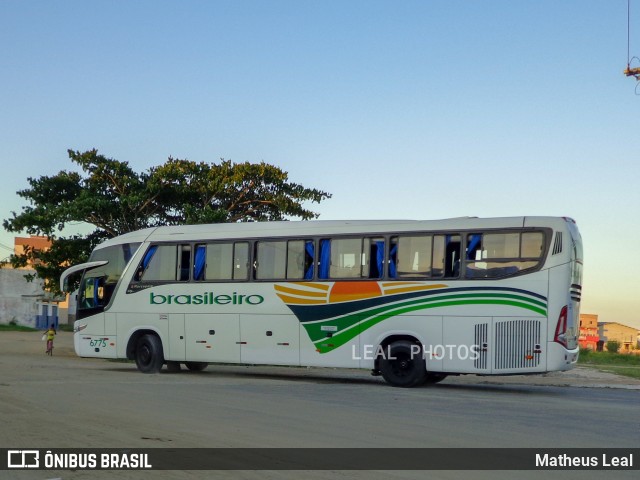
(196, 366)
(403, 367)
(149, 354)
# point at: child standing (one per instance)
(50, 334)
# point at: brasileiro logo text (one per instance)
(205, 298)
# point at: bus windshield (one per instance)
(98, 284)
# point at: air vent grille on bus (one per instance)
(557, 244)
(517, 344)
(481, 338)
(576, 292)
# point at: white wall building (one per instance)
(19, 299)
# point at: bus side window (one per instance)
(299, 259)
(199, 262)
(184, 265)
(159, 264)
(438, 256)
(343, 258)
(532, 245)
(413, 257)
(376, 257)
(270, 260)
(309, 254)
(219, 261)
(324, 259)
(144, 264)
(452, 256)
(348, 260)
(393, 258)
(501, 254)
(474, 247)
(241, 261)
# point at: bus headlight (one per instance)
(79, 328)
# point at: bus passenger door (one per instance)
(212, 337)
(466, 345)
(270, 339)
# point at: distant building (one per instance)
(589, 335)
(26, 303)
(19, 299)
(627, 336)
(21, 244)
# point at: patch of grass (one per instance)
(63, 327)
(618, 363)
(589, 357)
(16, 328)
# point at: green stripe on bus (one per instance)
(347, 320)
(361, 322)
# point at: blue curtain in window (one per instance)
(96, 284)
(325, 259)
(198, 266)
(393, 272)
(473, 244)
(380, 258)
(148, 256)
(308, 275)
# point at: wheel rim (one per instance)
(402, 366)
(145, 355)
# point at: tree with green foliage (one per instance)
(113, 198)
(613, 346)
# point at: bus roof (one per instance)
(217, 231)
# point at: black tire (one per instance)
(149, 354)
(432, 378)
(173, 367)
(196, 366)
(404, 367)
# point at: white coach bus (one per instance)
(414, 301)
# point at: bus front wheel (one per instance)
(403, 367)
(149, 354)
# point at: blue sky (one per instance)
(427, 109)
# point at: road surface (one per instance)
(67, 402)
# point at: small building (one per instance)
(625, 335)
(35, 242)
(19, 299)
(589, 335)
(26, 302)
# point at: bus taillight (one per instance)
(561, 328)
